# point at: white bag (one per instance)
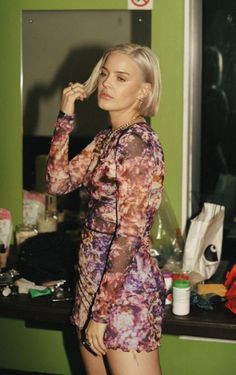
(203, 247)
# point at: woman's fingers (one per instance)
(76, 91)
(95, 333)
(101, 347)
(73, 92)
(97, 346)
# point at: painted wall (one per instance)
(42, 350)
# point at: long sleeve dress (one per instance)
(119, 283)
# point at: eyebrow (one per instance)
(118, 71)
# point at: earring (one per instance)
(140, 102)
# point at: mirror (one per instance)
(59, 47)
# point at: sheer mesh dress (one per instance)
(119, 282)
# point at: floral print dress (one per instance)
(119, 283)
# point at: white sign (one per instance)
(140, 4)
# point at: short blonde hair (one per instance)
(149, 66)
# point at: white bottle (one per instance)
(181, 297)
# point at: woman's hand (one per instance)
(74, 91)
(94, 334)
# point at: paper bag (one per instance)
(203, 246)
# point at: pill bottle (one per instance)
(181, 297)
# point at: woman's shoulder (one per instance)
(144, 132)
(142, 128)
(101, 135)
(140, 139)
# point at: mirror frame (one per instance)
(192, 109)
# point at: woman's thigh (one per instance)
(94, 365)
(134, 363)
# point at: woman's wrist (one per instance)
(63, 115)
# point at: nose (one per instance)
(107, 81)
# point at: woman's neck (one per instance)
(120, 121)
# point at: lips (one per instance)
(105, 95)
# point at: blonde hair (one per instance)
(148, 63)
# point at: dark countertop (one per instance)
(219, 323)
(41, 311)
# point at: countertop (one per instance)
(42, 311)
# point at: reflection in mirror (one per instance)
(61, 47)
(218, 151)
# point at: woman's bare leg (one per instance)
(133, 363)
(94, 365)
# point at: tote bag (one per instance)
(203, 247)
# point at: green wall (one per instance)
(32, 349)
(167, 42)
(42, 350)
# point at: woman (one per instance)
(120, 291)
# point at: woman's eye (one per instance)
(103, 74)
(122, 79)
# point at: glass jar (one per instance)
(3, 256)
(51, 204)
(24, 231)
(47, 223)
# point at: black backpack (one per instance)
(47, 257)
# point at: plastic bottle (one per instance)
(168, 283)
(181, 297)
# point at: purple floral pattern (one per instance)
(119, 282)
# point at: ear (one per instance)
(144, 91)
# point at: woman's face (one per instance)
(120, 85)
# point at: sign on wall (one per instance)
(140, 4)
